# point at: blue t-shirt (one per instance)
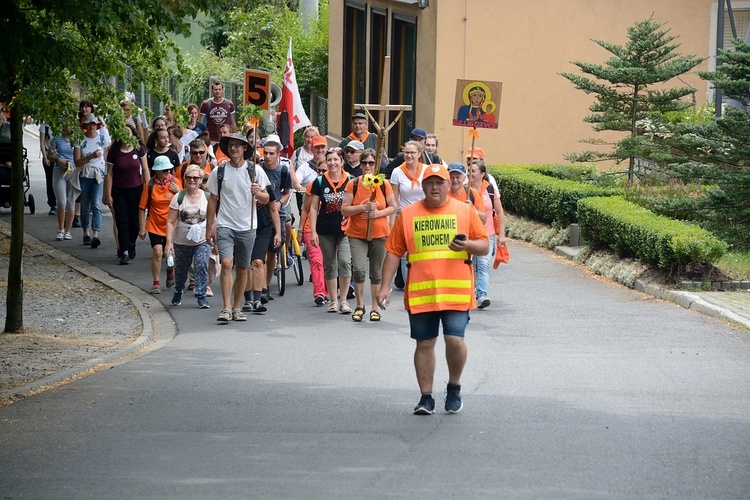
(279, 184)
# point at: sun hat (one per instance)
(162, 163)
(224, 141)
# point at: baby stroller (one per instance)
(5, 177)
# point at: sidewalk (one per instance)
(731, 306)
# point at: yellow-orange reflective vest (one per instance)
(439, 279)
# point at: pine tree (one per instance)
(624, 93)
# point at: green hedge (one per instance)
(633, 230)
(541, 197)
(577, 173)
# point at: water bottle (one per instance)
(170, 260)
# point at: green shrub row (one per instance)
(633, 230)
(541, 197)
(578, 173)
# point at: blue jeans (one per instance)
(482, 268)
(91, 201)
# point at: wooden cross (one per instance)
(380, 125)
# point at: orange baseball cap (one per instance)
(436, 170)
(319, 140)
(478, 153)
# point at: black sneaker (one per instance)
(76, 221)
(320, 300)
(350, 294)
(131, 252)
(124, 259)
(95, 242)
(426, 405)
(87, 240)
(203, 303)
(177, 299)
(453, 403)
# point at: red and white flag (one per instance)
(291, 101)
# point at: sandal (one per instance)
(224, 316)
(333, 307)
(374, 316)
(359, 312)
(345, 309)
(238, 315)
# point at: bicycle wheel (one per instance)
(281, 270)
(298, 269)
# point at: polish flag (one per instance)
(291, 101)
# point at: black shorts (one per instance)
(263, 238)
(157, 239)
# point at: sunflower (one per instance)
(367, 180)
(377, 181)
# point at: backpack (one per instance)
(220, 176)
(181, 196)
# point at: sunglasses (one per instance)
(370, 163)
(192, 178)
(322, 170)
(198, 152)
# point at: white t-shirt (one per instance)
(237, 205)
(190, 214)
(90, 145)
(407, 194)
(306, 174)
(301, 158)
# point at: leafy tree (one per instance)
(624, 93)
(718, 151)
(47, 45)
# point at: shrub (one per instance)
(541, 197)
(676, 199)
(579, 173)
(633, 230)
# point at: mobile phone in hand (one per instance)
(460, 237)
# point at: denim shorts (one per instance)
(427, 325)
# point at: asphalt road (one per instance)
(574, 388)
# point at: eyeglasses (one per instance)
(235, 145)
(193, 178)
(198, 152)
(410, 153)
(322, 170)
(368, 163)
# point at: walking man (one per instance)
(219, 111)
(439, 235)
(237, 184)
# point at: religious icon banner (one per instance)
(477, 103)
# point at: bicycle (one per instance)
(282, 264)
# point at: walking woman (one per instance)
(492, 206)
(186, 236)
(406, 181)
(314, 255)
(127, 172)
(156, 196)
(89, 157)
(61, 154)
(368, 198)
(159, 145)
(327, 194)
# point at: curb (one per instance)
(687, 300)
(157, 322)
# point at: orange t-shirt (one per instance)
(461, 196)
(357, 227)
(158, 210)
(180, 171)
(308, 193)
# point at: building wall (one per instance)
(524, 44)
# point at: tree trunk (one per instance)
(633, 133)
(14, 301)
